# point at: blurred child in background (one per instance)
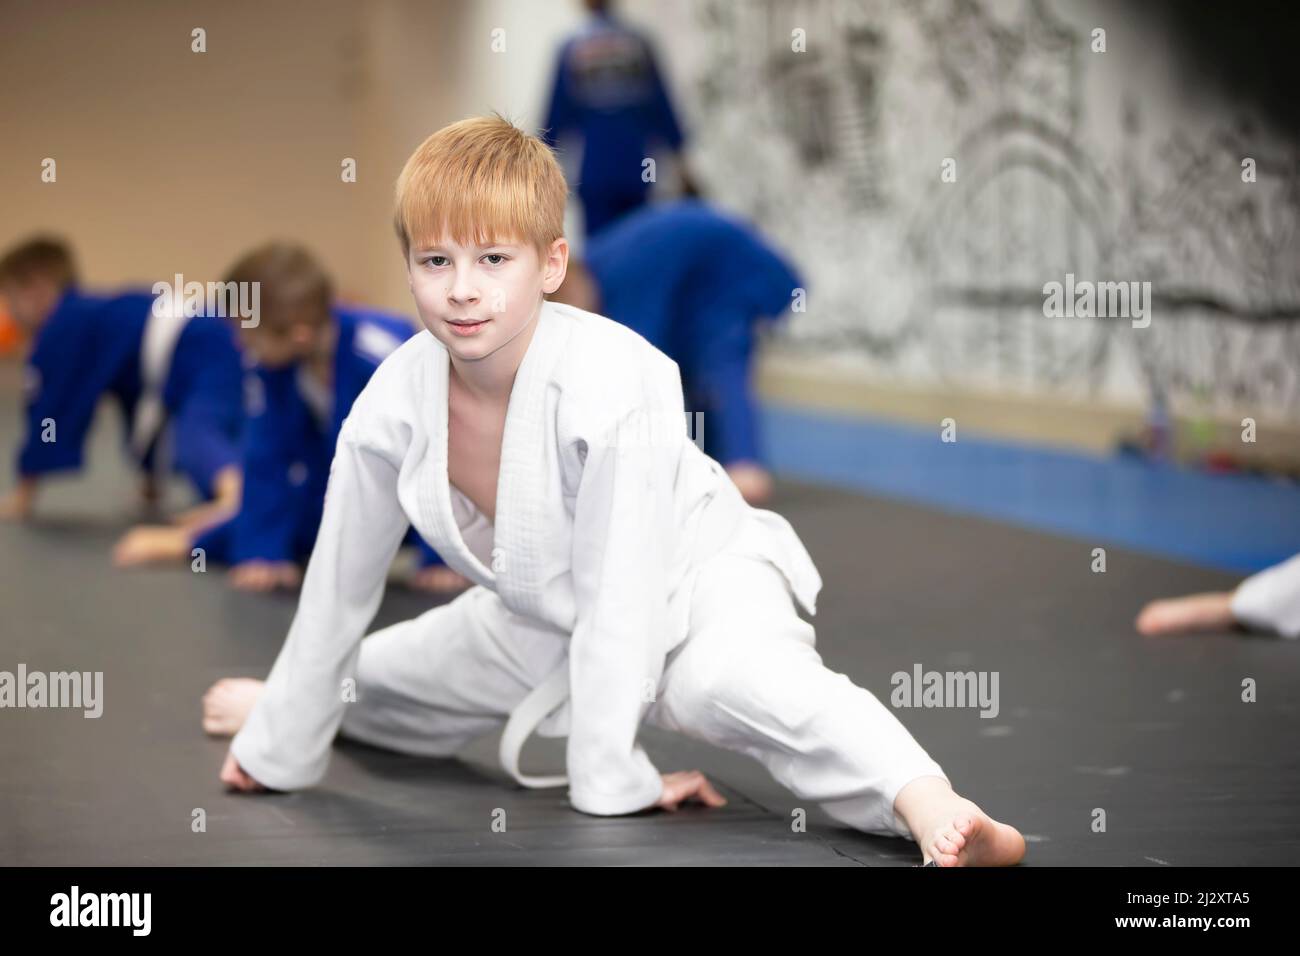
(695, 283)
(608, 94)
(310, 357)
(176, 380)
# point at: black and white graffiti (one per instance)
(1065, 159)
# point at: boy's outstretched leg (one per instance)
(429, 685)
(749, 679)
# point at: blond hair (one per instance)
(481, 180)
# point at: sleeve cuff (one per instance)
(264, 772)
(1268, 601)
(596, 803)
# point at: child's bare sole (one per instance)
(974, 839)
(1196, 612)
(227, 703)
(953, 831)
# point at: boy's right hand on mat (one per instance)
(233, 775)
(265, 575)
(688, 785)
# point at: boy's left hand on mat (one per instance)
(688, 785)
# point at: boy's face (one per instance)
(476, 299)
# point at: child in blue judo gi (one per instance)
(309, 358)
(608, 93)
(175, 378)
(696, 284)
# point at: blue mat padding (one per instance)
(1236, 522)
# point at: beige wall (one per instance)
(171, 161)
(431, 64)
(174, 161)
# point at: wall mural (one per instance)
(1058, 170)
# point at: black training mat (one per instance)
(1152, 731)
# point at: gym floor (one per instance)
(1151, 731)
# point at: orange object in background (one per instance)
(11, 336)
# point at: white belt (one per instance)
(717, 525)
(528, 713)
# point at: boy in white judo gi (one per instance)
(1267, 601)
(543, 451)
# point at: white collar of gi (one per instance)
(522, 450)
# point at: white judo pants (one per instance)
(746, 678)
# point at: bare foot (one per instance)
(953, 831)
(146, 544)
(753, 480)
(438, 579)
(1196, 612)
(227, 703)
(258, 575)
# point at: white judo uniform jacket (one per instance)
(605, 511)
(1270, 599)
